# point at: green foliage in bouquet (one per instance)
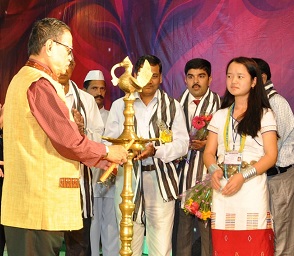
(198, 199)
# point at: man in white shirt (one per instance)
(104, 225)
(78, 241)
(281, 176)
(196, 100)
(94, 84)
(155, 180)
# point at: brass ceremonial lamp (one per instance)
(130, 141)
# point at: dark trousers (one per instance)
(77, 242)
(28, 242)
(2, 239)
(206, 239)
(183, 234)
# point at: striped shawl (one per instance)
(192, 168)
(165, 172)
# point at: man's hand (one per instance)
(117, 154)
(148, 151)
(197, 144)
(79, 120)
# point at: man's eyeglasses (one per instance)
(69, 49)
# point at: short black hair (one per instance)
(86, 84)
(264, 67)
(152, 59)
(47, 28)
(198, 63)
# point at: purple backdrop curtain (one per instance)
(105, 31)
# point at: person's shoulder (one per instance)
(212, 96)
(278, 99)
(213, 92)
(268, 113)
(184, 95)
(162, 93)
(87, 98)
(117, 104)
(268, 118)
(222, 110)
(280, 105)
(118, 101)
(220, 114)
(267, 110)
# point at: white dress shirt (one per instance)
(285, 124)
(104, 114)
(94, 123)
(166, 152)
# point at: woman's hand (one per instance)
(233, 185)
(215, 179)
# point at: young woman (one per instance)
(242, 134)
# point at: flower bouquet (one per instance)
(197, 200)
(199, 127)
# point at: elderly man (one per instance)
(41, 193)
(281, 176)
(77, 242)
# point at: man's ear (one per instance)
(186, 80)
(264, 77)
(48, 46)
(209, 80)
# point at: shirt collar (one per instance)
(137, 95)
(191, 97)
(70, 89)
(42, 67)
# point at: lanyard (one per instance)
(226, 132)
(226, 137)
(234, 133)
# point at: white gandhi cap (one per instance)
(94, 75)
